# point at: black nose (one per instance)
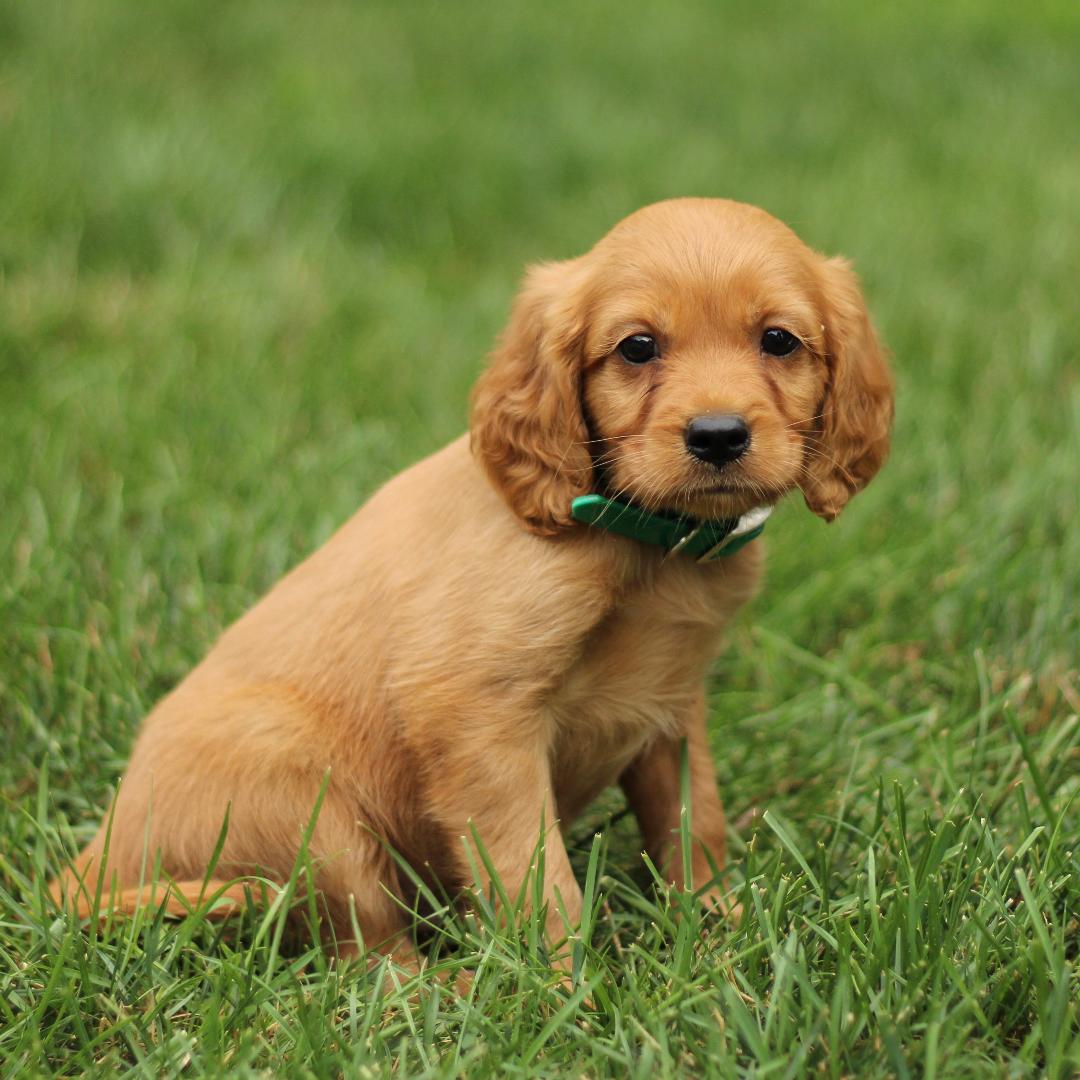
(717, 438)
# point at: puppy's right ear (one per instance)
(527, 428)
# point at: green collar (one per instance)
(706, 540)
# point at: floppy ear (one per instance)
(527, 428)
(856, 415)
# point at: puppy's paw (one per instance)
(722, 905)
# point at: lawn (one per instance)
(252, 256)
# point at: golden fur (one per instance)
(460, 654)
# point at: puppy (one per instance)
(527, 616)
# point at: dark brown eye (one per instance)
(638, 349)
(778, 342)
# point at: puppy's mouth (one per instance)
(728, 498)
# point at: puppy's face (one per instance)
(700, 359)
(704, 359)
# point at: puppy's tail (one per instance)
(80, 889)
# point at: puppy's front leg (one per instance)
(652, 787)
(501, 794)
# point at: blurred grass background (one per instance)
(252, 256)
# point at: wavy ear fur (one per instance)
(856, 415)
(527, 427)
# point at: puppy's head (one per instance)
(700, 359)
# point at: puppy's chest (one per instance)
(638, 676)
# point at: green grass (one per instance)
(251, 258)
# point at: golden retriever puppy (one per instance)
(527, 616)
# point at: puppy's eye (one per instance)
(638, 349)
(778, 342)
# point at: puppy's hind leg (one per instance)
(352, 873)
(311, 832)
(357, 887)
(88, 888)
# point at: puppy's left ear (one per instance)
(856, 415)
(527, 428)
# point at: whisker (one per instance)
(808, 420)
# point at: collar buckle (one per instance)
(687, 539)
